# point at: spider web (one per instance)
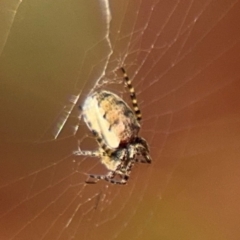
(183, 59)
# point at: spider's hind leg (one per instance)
(132, 95)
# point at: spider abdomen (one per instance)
(111, 117)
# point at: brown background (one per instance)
(183, 57)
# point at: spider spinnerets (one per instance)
(115, 127)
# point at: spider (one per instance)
(115, 127)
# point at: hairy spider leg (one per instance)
(123, 170)
(109, 178)
(108, 151)
(132, 95)
(87, 153)
(142, 149)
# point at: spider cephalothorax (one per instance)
(115, 127)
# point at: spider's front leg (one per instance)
(102, 151)
(79, 152)
(142, 150)
(144, 158)
(109, 178)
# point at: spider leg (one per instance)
(146, 158)
(132, 95)
(79, 152)
(109, 178)
(142, 149)
(98, 138)
(100, 177)
(87, 153)
(102, 145)
(124, 169)
(110, 175)
(143, 154)
(105, 149)
(143, 142)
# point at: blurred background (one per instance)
(183, 59)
